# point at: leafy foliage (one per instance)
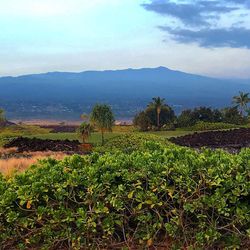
(156, 115)
(167, 116)
(10, 132)
(102, 117)
(156, 105)
(84, 131)
(130, 142)
(233, 116)
(2, 115)
(142, 121)
(206, 126)
(190, 117)
(241, 101)
(176, 195)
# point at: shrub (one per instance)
(190, 117)
(142, 121)
(233, 116)
(127, 143)
(167, 115)
(205, 126)
(173, 195)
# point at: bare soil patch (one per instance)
(232, 140)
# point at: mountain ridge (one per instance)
(122, 70)
(68, 94)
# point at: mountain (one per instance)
(62, 95)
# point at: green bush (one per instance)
(174, 195)
(127, 143)
(205, 126)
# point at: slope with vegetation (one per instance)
(156, 195)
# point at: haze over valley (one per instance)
(64, 96)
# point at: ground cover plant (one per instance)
(129, 142)
(157, 194)
(206, 126)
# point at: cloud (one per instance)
(243, 2)
(212, 38)
(190, 13)
(209, 23)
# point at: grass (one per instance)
(10, 166)
(41, 133)
(168, 134)
(95, 138)
(8, 133)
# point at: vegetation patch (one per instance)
(8, 133)
(206, 126)
(130, 142)
(169, 195)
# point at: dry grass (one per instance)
(18, 164)
(7, 151)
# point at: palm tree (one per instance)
(241, 101)
(102, 117)
(157, 103)
(85, 130)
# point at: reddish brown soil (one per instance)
(33, 145)
(232, 140)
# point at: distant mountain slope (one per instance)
(66, 95)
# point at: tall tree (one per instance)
(102, 117)
(157, 103)
(241, 101)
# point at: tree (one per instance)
(167, 116)
(233, 116)
(186, 119)
(102, 117)
(142, 121)
(2, 115)
(241, 101)
(85, 130)
(190, 117)
(157, 103)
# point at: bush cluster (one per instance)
(147, 119)
(170, 195)
(130, 142)
(206, 126)
(189, 118)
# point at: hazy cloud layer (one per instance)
(233, 37)
(200, 21)
(190, 13)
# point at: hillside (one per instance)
(65, 95)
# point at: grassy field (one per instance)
(95, 138)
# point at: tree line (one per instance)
(159, 115)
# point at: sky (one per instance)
(207, 37)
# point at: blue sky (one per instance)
(209, 37)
